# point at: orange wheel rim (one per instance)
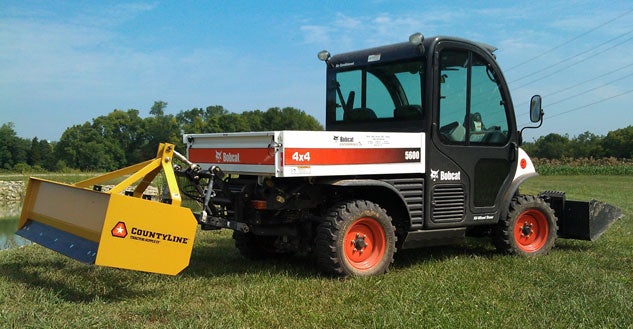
(365, 243)
(531, 230)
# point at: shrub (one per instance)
(584, 166)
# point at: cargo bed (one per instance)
(290, 153)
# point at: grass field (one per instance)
(578, 285)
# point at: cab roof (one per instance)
(396, 52)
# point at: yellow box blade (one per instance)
(146, 236)
(108, 229)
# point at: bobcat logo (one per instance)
(435, 174)
(218, 156)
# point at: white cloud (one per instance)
(316, 34)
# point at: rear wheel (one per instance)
(356, 238)
(529, 229)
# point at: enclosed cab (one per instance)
(452, 92)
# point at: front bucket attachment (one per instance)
(110, 228)
(581, 220)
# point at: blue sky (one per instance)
(66, 62)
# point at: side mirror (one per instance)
(536, 112)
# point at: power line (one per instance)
(586, 105)
(591, 89)
(572, 57)
(584, 82)
(594, 103)
(569, 41)
(588, 80)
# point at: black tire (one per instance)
(356, 238)
(528, 230)
(254, 247)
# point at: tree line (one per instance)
(122, 138)
(615, 144)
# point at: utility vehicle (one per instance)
(421, 148)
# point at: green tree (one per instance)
(158, 109)
(289, 118)
(7, 137)
(619, 143)
(160, 128)
(198, 120)
(586, 145)
(552, 146)
(84, 147)
(13, 150)
(255, 120)
(232, 122)
(46, 153)
(124, 129)
(35, 154)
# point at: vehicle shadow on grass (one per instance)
(224, 260)
(73, 281)
(221, 258)
(481, 248)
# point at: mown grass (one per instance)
(579, 285)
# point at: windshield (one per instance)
(388, 92)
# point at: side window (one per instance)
(378, 98)
(471, 104)
(375, 103)
(350, 83)
(488, 121)
(453, 94)
(379, 93)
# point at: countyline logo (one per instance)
(445, 175)
(120, 231)
(226, 157)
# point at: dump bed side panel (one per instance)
(328, 153)
(309, 153)
(242, 153)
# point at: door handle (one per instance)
(513, 151)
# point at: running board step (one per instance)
(429, 238)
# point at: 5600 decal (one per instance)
(412, 155)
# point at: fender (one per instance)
(363, 182)
(409, 211)
(525, 170)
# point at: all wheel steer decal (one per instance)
(119, 230)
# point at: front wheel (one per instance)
(356, 238)
(529, 229)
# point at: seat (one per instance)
(360, 114)
(458, 134)
(408, 112)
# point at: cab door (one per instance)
(473, 141)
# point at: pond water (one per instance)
(9, 215)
